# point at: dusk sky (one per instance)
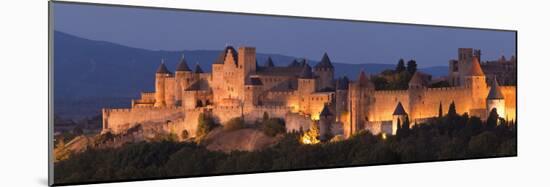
(344, 41)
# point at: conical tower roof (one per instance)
(253, 81)
(325, 62)
(343, 83)
(198, 69)
(182, 66)
(162, 68)
(399, 110)
(269, 62)
(475, 69)
(495, 92)
(325, 112)
(294, 63)
(306, 72)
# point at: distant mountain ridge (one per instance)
(89, 68)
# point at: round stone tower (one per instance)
(399, 116)
(495, 100)
(162, 73)
(184, 77)
(325, 121)
(325, 71)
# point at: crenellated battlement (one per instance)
(391, 91)
(224, 93)
(445, 89)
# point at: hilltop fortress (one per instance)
(303, 96)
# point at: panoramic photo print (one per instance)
(149, 93)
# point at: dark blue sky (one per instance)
(349, 42)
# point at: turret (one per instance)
(198, 71)
(252, 89)
(495, 100)
(475, 81)
(360, 98)
(247, 60)
(325, 71)
(184, 78)
(269, 63)
(325, 120)
(342, 86)
(160, 76)
(399, 117)
(475, 77)
(306, 80)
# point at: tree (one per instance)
(273, 126)
(311, 136)
(411, 66)
(400, 66)
(234, 124)
(206, 124)
(406, 124)
(492, 120)
(452, 110)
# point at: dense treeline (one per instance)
(448, 137)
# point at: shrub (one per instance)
(234, 124)
(206, 124)
(273, 126)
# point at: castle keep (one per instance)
(303, 96)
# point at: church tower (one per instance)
(495, 100)
(325, 71)
(160, 76)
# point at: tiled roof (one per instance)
(399, 110)
(475, 69)
(343, 83)
(162, 69)
(198, 69)
(182, 66)
(325, 62)
(306, 72)
(495, 92)
(253, 81)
